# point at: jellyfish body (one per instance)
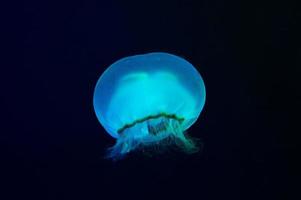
(149, 99)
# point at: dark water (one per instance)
(248, 54)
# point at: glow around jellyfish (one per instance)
(149, 99)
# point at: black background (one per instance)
(248, 53)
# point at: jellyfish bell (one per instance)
(149, 99)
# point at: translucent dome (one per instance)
(146, 98)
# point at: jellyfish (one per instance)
(149, 99)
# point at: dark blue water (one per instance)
(247, 54)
